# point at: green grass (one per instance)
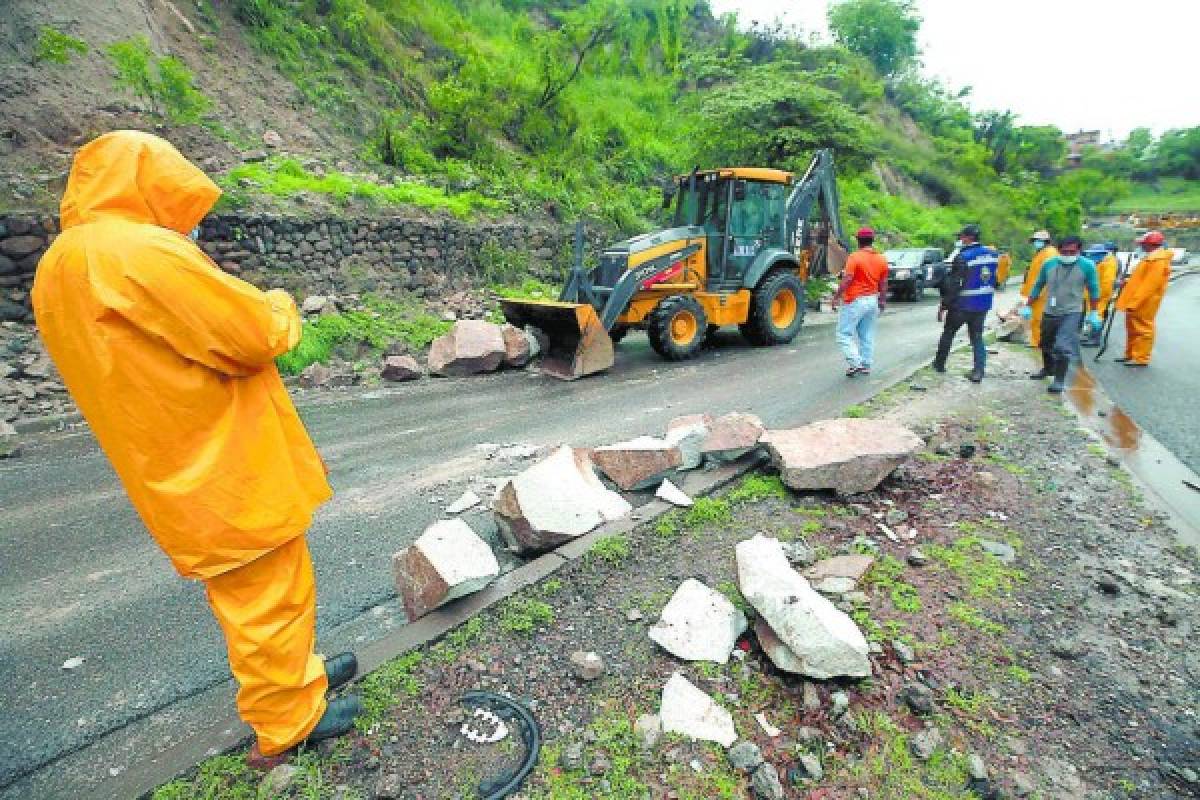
(972, 617)
(525, 615)
(891, 771)
(287, 178)
(754, 488)
(1165, 195)
(855, 412)
(55, 47)
(384, 687)
(528, 289)
(734, 595)
(455, 643)
(708, 511)
(383, 322)
(612, 550)
(218, 778)
(982, 573)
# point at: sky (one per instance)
(1107, 65)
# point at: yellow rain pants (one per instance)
(1140, 299)
(1038, 306)
(171, 362)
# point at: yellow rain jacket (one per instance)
(1003, 269)
(1106, 275)
(171, 360)
(1140, 298)
(1039, 305)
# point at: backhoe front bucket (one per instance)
(579, 344)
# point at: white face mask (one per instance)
(194, 235)
(1068, 260)
(960, 244)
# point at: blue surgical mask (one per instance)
(1038, 244)
(195, 234)
(1068, 260)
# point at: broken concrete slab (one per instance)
(447, 561)
(689, 434)
(554, 501)
(732, 436)
(518, 346)
(466, 500)
(689, 711)
(638, 463)
(849, 456)
(853, 567)
(673, 495)
(824, 639)
(400, 368)
(780, 654)
(698, 624)
(471, 347)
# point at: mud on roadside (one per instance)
(1071, 672)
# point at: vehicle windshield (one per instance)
(904, 258)
(705, 206)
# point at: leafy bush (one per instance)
(55, 47)
(166, 83)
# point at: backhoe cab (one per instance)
(743, 243)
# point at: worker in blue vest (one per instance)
(967, 293)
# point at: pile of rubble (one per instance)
(30, 386)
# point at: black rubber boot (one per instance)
(937, 367)
(341, 669)
(975, 376)
(338, 718)
(1045, 372)
(1060, 376)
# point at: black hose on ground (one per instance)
(504, 785)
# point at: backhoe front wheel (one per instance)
(776, 310)
(677, 327)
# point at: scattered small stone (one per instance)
(687, 710)
(468, 499)
(924, 744)
(976, 768)
(918, 697)
(74, 662)
(1005, 552)
(895, 516)
(770, 730)
(986, 480)
(9, 446)
(765, 783)
(943, 448)
(799, 554)
(588, 666)
(1068, 649)
(903, 652)
(917, 558)
(673, 495)
(1023, 785)
(278, 780)
(649, 730)
(841, 704)
(807, 735)
(1108, 584)
(600, 765)
(966, 450)
(812, 766)
(744, 756)
(634, 615)
(811, 698)
(571, 757)
(865, 544)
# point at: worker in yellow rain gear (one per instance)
(1141, 296)
(1043, 252)
(1003, 269)
(171, 362)
(1106, 274)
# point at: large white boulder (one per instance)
(688, 711)
(556, 500)
(826, 641)
(447, 561)
(698, 624)
(638, 463)
(847, 455)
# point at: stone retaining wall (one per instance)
(330, 255)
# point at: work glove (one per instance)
(1025, 312)
(1093, 319)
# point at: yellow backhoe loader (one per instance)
(744, 242)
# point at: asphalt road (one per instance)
(1164, 398)
(82, 579)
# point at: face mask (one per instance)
(1068, 260)
(960, 244)
(1038, 244)
(195, 234)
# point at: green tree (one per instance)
(1178, 153)
(884, 31)
(1038, 148)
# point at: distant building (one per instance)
(1077, 143)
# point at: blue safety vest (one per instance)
(979, 278)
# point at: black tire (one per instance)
(618, 333)
(677, 327)
(711, 332)
(763, 327)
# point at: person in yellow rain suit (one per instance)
(171, 362)
(1003, 269)
(1043, 252)
(1106, 274)
(1140, 298)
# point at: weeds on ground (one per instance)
(734, 595)
(855, 412)
(612, 550)
(454, 643)
(525, 615)
(972, 617)
(708, 511)
(893, 773)
(383, 688)
(55, 47)
(983, 574)
(218, 777)
(755, 488)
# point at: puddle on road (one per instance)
(1145, 457)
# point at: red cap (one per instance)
(865, 233)
(1151, 237)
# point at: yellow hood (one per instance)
(138, 177)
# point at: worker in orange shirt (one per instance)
(1043, 252)
(863, 295)
(171, 362)
(1141, 296)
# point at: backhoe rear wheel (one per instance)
(776, 310)
(677, 327)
